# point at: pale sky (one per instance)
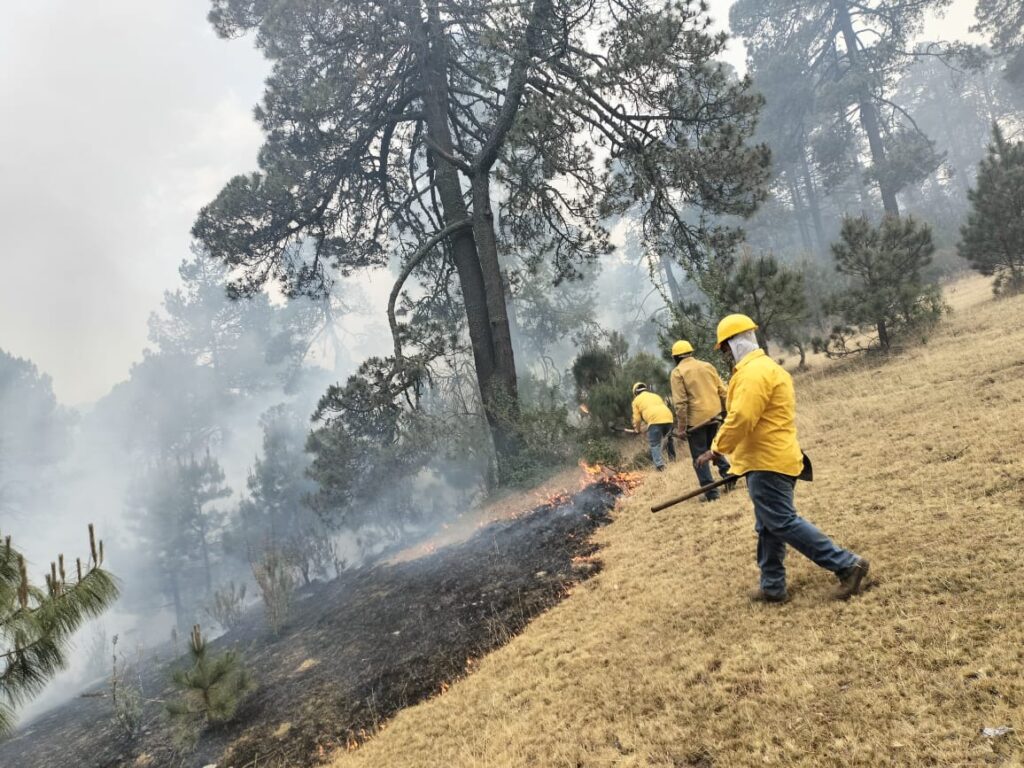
(120, 118)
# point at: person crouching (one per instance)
(651, 414)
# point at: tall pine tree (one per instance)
(992, 240)
(390, 127)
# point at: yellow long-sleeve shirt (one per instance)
(759, 432)
(648, 408)
(698, 394)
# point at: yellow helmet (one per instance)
(681, 347)
(638, 388)
(730, 325)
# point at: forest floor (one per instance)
(660, 660)
(356, 649)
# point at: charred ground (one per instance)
(355, 651)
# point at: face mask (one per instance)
(742, 345)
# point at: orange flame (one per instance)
(584, 409)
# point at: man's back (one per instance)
(759, 432)
(697, 392)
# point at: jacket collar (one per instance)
(748, 357)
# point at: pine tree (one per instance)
(886, 294)
(389, 128)
(178, 526)
(772, 294)
(36, 624)
(843, 57)
(213, 687)
(1003, 21)
(992, 240)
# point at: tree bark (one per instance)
(674, 291)
(868, 113)
(800, 213)
(434, 82)
(503, 382)
(813, 202)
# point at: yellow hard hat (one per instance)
(639, 387)
(730, 325)
(681, 347)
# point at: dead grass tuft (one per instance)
(660, 661)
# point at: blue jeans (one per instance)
(778, 524)
(655, 434)
(699, 439)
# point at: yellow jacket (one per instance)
(651, 409)
(698, 393)
(759, 432)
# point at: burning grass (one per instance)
(358, 649)
(660, 661)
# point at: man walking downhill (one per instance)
(650, 410)
(759, 435)
(698, 395)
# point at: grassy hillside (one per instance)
(661, 661)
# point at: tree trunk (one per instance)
(813, 202)
(179, 617)
(433, 74)
(883, 335)
(868, 113)
(674, 291)
(205, 548)
(800, 213)
(503, 383)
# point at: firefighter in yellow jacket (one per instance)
(759, 436)
(651, 413)
(698, 396)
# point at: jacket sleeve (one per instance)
(749, 400)
(636, 413)
(679, 398)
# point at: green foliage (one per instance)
(515, 100)
(278, 509)
(274, 575)
(772, 294)
(886, 296)
(697, 324)
(212, 688)
(371, 436)
(604, 378)
(175, 521)
(992, 240)
(36, 625)
(546, 440)
(1003, 21)
(829, 67)
(601, 450)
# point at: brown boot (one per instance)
(851, 579)
(760, 596)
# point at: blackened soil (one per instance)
(354, 652)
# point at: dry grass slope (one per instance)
(660, 661)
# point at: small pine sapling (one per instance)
(275, 578)
(212, 688)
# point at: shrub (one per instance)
(212, 688)
(228, 605)
(992, 240)
(125, 694)
(886, 297)
(602, 451)
(274, 577)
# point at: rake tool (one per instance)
(807, 474)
